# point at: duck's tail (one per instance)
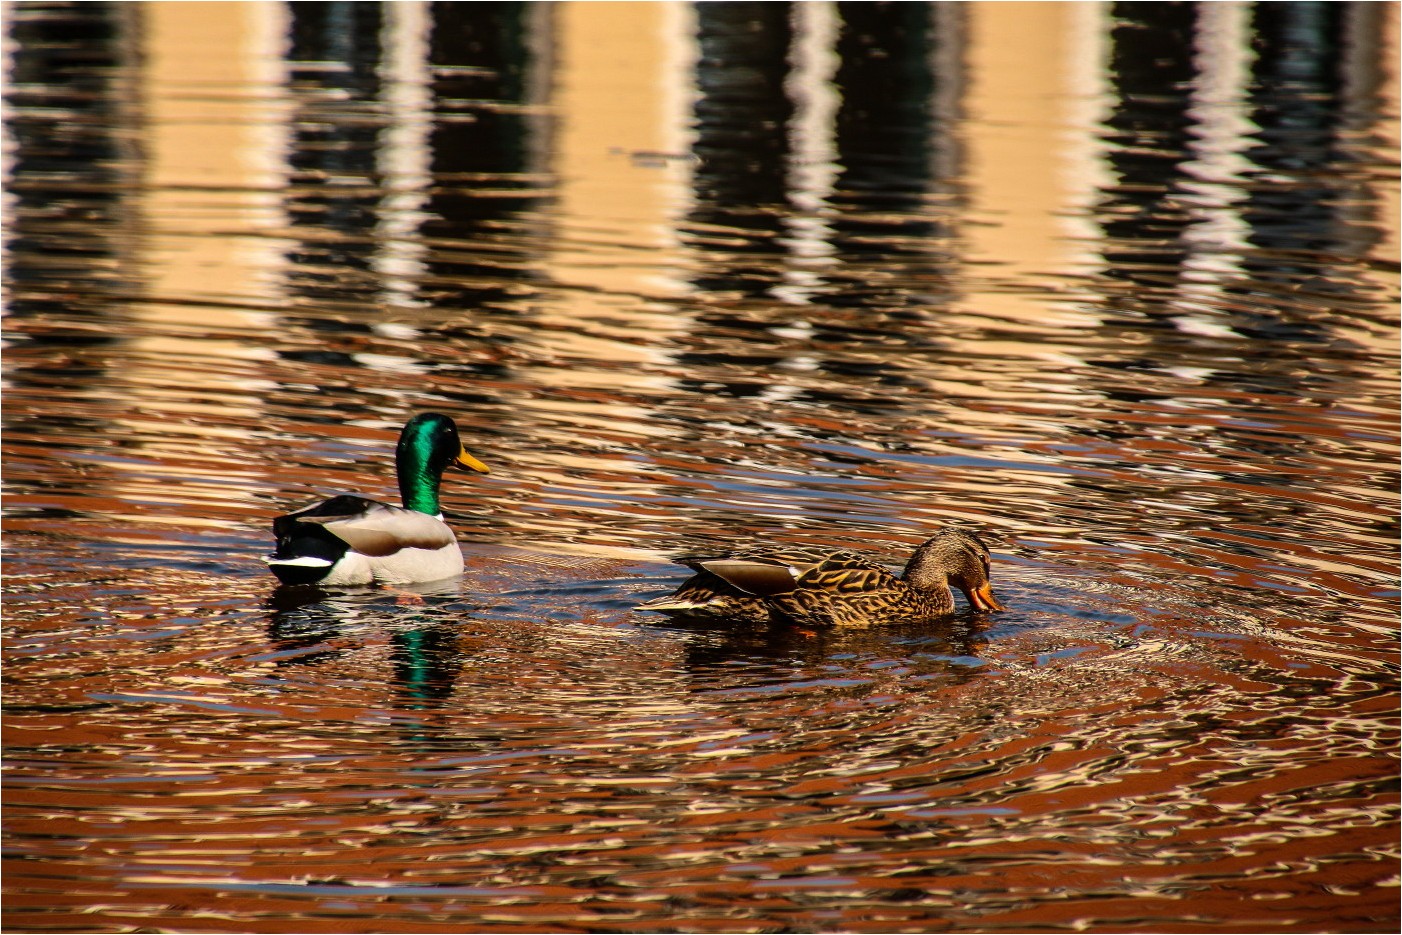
(673, 604)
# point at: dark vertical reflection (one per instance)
(874, 240)
(1291, 198)
(486, 145)
(1296, 102)
(1151, 70)
(1295, 204)
(887, 146)
(1296, 192)
(1250, 307)
(887, 143)
(482, 154)
(72, 162)
(742, 143)
(68, 218)
(334, 73)
(885, 131)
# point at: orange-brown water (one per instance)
(1114, 286)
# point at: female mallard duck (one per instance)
(823, 588)
(354, 540)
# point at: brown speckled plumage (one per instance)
(833, 588)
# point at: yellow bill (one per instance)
(467, 461)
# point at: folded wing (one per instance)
(370, 527)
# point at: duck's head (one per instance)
(428, 444)
(954, 558)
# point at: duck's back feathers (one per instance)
(771, 572)
(355, 540)
(759, 575)
(796, 585)
(374, 528)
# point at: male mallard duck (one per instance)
(821, 588)
(354, 540)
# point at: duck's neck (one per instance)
(926, 572)
(419, 473)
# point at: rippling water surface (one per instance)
(1113, 285)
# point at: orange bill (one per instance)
(982, 598)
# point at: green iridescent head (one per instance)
(428, 444)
